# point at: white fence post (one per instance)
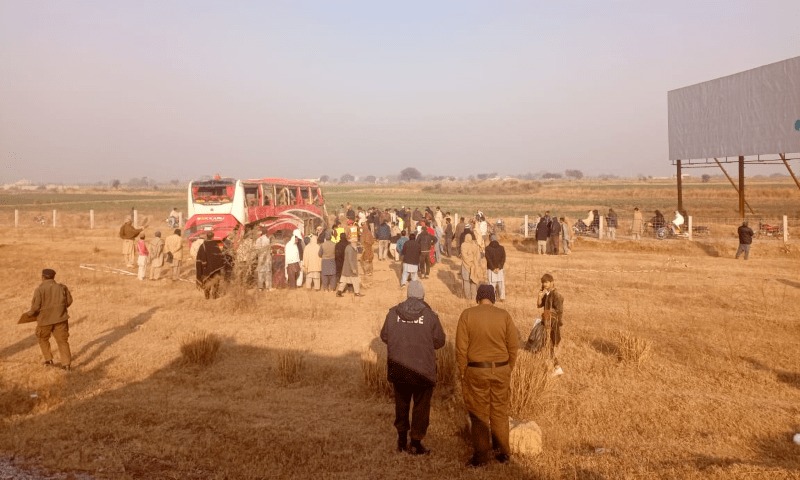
(136, 219)
(91, 219)
(54, 219)
(526, 226)
(16, 218)
(689, 231)
(180, 219)
(409, 231)
(600, 228)
(785, 229)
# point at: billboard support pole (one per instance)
(783, 157)
(733, 183)
(741, 186)
(680, 186)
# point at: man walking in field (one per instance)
(350, 270)
(486, 350)
(156, 256)
(745, 240)
(128, 235)
(49, 307)
(412, 333)
(173, 245)
(553, 304)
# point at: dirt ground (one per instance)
(718, 398)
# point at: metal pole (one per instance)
(91, 219)
(741, 186)
(16, 218)
(733, 183)
(526, 226)
(680, 187)
(783, 157)
(54, 219)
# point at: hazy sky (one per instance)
(92, 91)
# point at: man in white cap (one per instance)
(412, 333)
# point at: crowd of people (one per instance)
(333, 259)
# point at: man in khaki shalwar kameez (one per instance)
(486, 350)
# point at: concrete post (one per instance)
(136, 219)
(600, 228)
(91, 219)
(689, 228)
(54, 219)
(526, 226)
(180, 219)
(785, 229)
(409, 231)
(16, 218)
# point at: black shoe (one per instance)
(339, 294)
(48, 363)
(502, 457)
(358, 295)
(475, 463)
(402, 441)
(67, 368)
(416, 448)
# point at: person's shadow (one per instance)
(30, 341)
(110, 337)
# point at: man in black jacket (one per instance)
(411, 254)
(495, 262)
(745, 239)
(412, 332)
(426, 242)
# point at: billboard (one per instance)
(756, 112)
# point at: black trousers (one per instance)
(425, 263)
(420, 417)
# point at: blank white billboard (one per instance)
(756, 112)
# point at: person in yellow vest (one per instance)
(338, 230)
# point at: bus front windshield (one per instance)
(212, 192)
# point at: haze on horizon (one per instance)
(93, 91)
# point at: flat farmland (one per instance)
(717, 397)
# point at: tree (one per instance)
(705, 178)
(549, 175)
(347, 178)
(115, 183)
(370, 179)
(324, 179)
(576, 174)
(410, 173)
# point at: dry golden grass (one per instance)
(631, 349)
(200, 348)
(719, 400)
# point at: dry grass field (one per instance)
(680, 362)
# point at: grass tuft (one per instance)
(200, 348)
(291, 364)
(634, 350)
(373, 372)
(530, 382)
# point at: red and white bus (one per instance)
(224, 205)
